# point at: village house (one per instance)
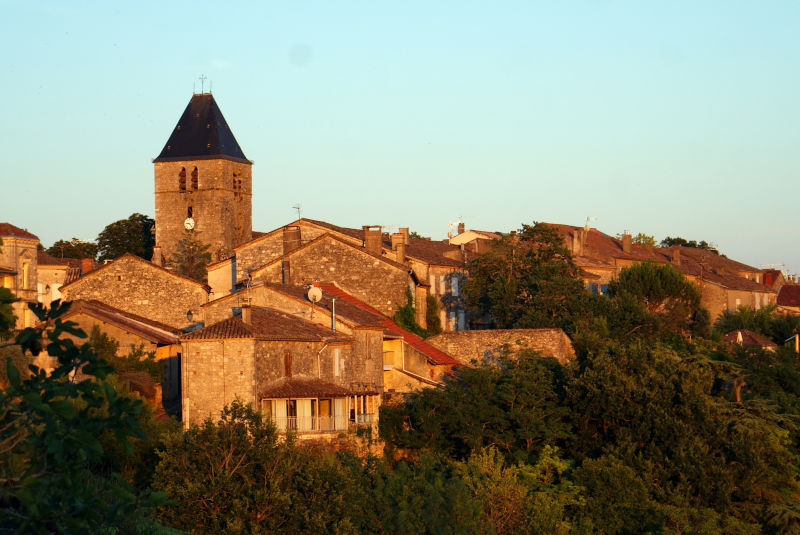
(788, 299)
(479, 346)
(18, 270)
(307, 378)
(724, 284)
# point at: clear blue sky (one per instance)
(668, 118)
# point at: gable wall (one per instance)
(136, 288)
(374, 282)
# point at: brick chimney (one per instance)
(87, 265)
(676, 257)
(405, 233)
(247, 317)
(399, 246)
(291, 238)
(461, 228)
(372, 238)
(627, 242)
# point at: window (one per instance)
(189, 212)
(336, 362)
(194, 178)
(182, 179)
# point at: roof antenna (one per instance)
(297, 207)
(202, 79)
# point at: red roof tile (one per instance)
(149, 329)
(44, 259)
(7, 229)
(298, 387)
(267, 324)
(436, 356)
(748, 339)
(789, 295)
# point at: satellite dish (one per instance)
(314, 294)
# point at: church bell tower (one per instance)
(203, 184)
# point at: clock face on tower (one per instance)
(188, 223)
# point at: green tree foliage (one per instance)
(685, 451)
(669, 242)
(133, 235)
(669, 300)
(7, 318)
(640, 239)
(528, 280)
(433, 323)
(73, 248)
(135, 360)
(50, 448)
(191, 257)
(514, 406)
(765, 321)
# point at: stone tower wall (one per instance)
(221, 204)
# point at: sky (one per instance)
(669, 118)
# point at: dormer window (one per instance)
(182, 179)
(194, 178)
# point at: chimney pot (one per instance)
(627, 242)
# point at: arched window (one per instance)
(182, 179)
(194, 178)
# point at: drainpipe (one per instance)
(333, 314)
(319, 367)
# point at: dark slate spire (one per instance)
(201, 133)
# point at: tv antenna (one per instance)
(297, 207)
(202, 79)
(452, 226)
(589, 218)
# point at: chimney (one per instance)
(157, 258)
(627, 241)
(676, 257)
(397, 238)
(577, 243)
(372, 238)
(291, 238)
(286, 272)
(246, 314)
(461, 228)
(405, 233)
(400, 254)
(87, 265)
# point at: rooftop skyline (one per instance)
(666, 118)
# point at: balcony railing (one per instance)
(318, 424)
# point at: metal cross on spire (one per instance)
(202, 79)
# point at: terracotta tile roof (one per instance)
(299, 387)
(44, 259)
(267, 324)
(433, 252)
(9, 230)
(789, 295)
(344, 309)
(748, 339)
(154, 331)
(434, 355)
(355, 233)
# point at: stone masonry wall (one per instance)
(123, 337)
(141, 288)
(490, 344)
(213, 374)
(380, 285)
(222, 212)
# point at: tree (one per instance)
(191, 257)
(512, 405)
(640, 239)
(133, 235)
(73, 248)
(765, 321)
(528, 280)
(661, 290)
(669, 242)
(7, 319)
(50, 450)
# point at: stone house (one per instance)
(724, 284)
(409, 362)
(52, 274)
(745, 338)
(438, 267)
(18, 270)
(307, 378)
(489, 345)
(136, 286)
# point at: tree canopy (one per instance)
(73, 248)
(133, 235)
(191, 257)
(702, 244)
